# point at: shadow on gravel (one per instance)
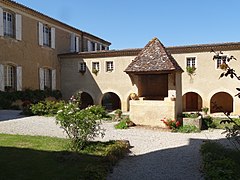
(6, 115)
(183, 162)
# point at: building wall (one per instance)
(27, 52)
(116, 81)
(205, 82)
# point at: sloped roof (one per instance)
(153, 58)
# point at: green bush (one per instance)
(219, 162)
(187, 129)
(80, 125)
(47, 108)
(190, 115)
(208, 122)
(123, 124)
(34, 96)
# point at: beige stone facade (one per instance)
(196, 91)
(30, 42)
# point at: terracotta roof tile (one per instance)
(153, 58)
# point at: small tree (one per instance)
(233, 132)
(81, 125)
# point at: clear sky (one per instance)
(132, 23)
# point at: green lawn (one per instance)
(37, 157)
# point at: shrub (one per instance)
(190, 115)
(34, 96)
(47, 108)
(219, 162)
(80, 125)
(187, 129)
(122, 124)
(208, 122)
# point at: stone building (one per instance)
(30, 42)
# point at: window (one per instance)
(109, 65)
(221, 60)
(46, 35)
(8, 24)
(47, 78)
(191, 62)
(82, 67)
(95, 67)
(74, 43)
(10, 78)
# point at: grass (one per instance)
(216, 122)
(37, 157)
(220, 162)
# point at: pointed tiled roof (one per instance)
(153, 58)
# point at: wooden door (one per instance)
(192, 102)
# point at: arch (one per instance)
(86, 100)
(192, 102)
(221, 102)
(111, 101)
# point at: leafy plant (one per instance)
(190, 115)
(187, 129)
(124, 124)
(190, 70)
(81, 125)
(171, 124)
(205, 110)
(208, 122)
(95, 71)
(219, 162)
(47, 108)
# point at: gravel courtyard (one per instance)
(155, 154)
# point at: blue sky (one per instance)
(132, 23)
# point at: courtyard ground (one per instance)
(155, 154)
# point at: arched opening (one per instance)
(86, 100)
(221, 102)
(192, 102)
(111, 101)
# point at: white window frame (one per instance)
(220, 60)
(95, 65)
(191, 61)
(10, 77)
(9, 24)
(46, 35)
(82, 67)
(109, 66)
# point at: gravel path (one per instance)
(154, 154)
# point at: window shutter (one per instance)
(19, 78)
(95, 47)
(18, 27)
(40, 33)
(77, 44)
(54, 79)
(89, 46)
(1, 21)
(2, 77)
(53, 38)
(41, 78)
(72, 48)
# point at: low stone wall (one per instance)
(151, 112)
(193, 121)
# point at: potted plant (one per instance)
(95, 71)
(191, 70)
(118, 114)
(205, 110)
